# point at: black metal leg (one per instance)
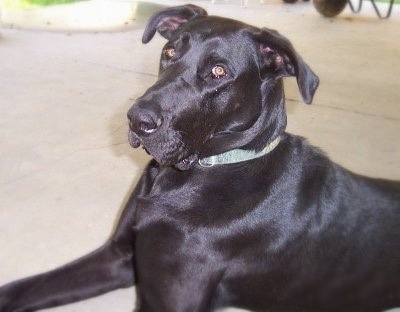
(378, 12)
(353, 8)
(388, 13)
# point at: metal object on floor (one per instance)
(331, 8)
(378, 12)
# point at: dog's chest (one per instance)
(189, 208)
(175, 216)
(198, 197)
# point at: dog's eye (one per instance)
(169, 53)
(218, 71)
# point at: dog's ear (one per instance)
(168, 21)
(279, 59)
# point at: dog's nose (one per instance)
(143, 122)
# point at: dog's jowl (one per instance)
(232, 210)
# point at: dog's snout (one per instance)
(143, 122)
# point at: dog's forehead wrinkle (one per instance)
(217, 24)
(218, 27)
(229, 37)
(211, 52)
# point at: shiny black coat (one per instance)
(290, 231)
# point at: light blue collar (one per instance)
(237, 155)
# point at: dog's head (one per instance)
(219, 87)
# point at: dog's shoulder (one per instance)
(311, 170)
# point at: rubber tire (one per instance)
(329, 8)
(289, 1)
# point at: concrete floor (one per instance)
(65, 164)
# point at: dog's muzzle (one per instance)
(168, 146)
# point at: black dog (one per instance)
(233, 211)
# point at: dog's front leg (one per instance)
(108, 268)
(105, 269)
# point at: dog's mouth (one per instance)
(167, 152)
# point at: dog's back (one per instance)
(322, 238)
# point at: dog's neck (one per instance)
(238, 155)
